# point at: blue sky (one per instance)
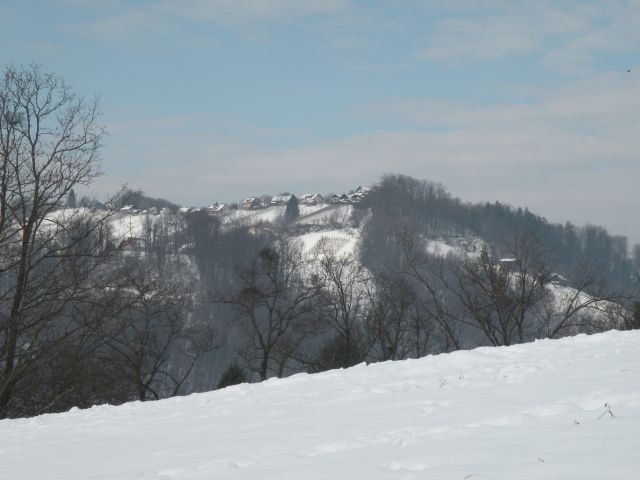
(526, 102)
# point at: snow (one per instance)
(310, 209)
(126, 225)
(442, 249)
(530, 411)
(341, 242)
(252, 217)
(320, 214)
(567, 298)
(460, 247)
(130, 223)
(325, 215)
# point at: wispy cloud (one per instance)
(120, 21)
(590, 105)
(619, 32)
(236, 12)
(566, 36)
(122, 27)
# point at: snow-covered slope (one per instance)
(341, 242)
(525, 412)
(269, 214)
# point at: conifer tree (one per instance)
(293, 210)
(71, 199)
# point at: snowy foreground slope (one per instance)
(534, 411)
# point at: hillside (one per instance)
(422, 285)
(530, 411)
(150, 303)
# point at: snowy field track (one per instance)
(533, 411)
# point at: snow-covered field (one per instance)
(534, 411)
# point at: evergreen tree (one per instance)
(71, 199)
(233, 375)
(632, 321)
(293, 210)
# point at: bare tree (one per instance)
(510, 298)
(500, 295)
(587, 305)
(49, 142)
(149, 333)
(396, 322)
(273, 300)
(343, 305)
(434, 275)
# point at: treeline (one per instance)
(429, 208)
(321, 310)
(395, 298)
